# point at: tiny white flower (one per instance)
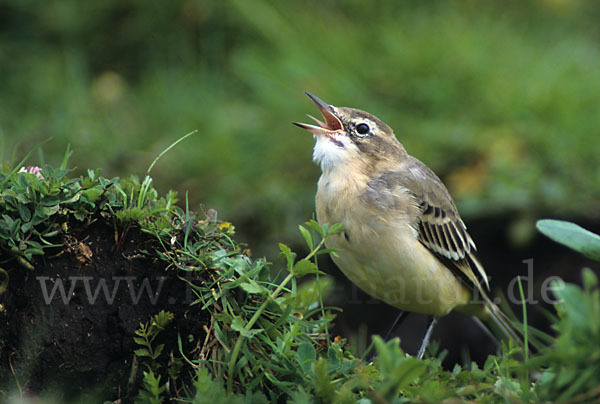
(32, 170)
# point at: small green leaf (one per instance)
(253, 287)
(71, 199)
(93, 194)
(288, 255)
(306, 355)
(572, 236)
(304, 267)
(33, 244)
(327, 251)
(50, 200)
(142, 352)
(335, 229)
(49, 210)
(26, 227)
(590, 280)
(138, 340)
(316, 227)
(33, 251)
(158, 351)
(307, 236)
(285, 250)
(24, 212)
(14, 228)
(38, 217)
(238, 325)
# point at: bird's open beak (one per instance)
(331, 125)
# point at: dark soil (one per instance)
(80, 345)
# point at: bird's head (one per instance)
(350, 136)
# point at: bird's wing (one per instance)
(446, 235)
(438, 224)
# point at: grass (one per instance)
(267, 338)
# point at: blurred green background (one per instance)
(502, 99)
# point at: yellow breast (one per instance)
(380, 253)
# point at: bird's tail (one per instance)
(501, 327)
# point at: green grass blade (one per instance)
(162, 153)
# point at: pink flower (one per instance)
(32, 170)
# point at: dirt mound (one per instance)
(69, 323)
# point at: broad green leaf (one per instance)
(333, 361)
(306, 355)
(572, 236)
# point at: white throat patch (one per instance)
(329, 154)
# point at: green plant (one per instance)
(37, 207)
(152, 390)
(296, 270)
(572, 236)
(573, 361)
(149, 354)
(212, 391)
(146, 335)
(34, 210)
(266, 326)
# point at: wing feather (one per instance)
(444, 234)
(437, 223)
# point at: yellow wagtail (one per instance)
(403, 242)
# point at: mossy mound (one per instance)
(85, 262)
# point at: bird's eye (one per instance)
(362, 128)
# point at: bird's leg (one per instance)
(425, 342)
(487, 332)
(401, 316)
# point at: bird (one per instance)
(403, 240)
